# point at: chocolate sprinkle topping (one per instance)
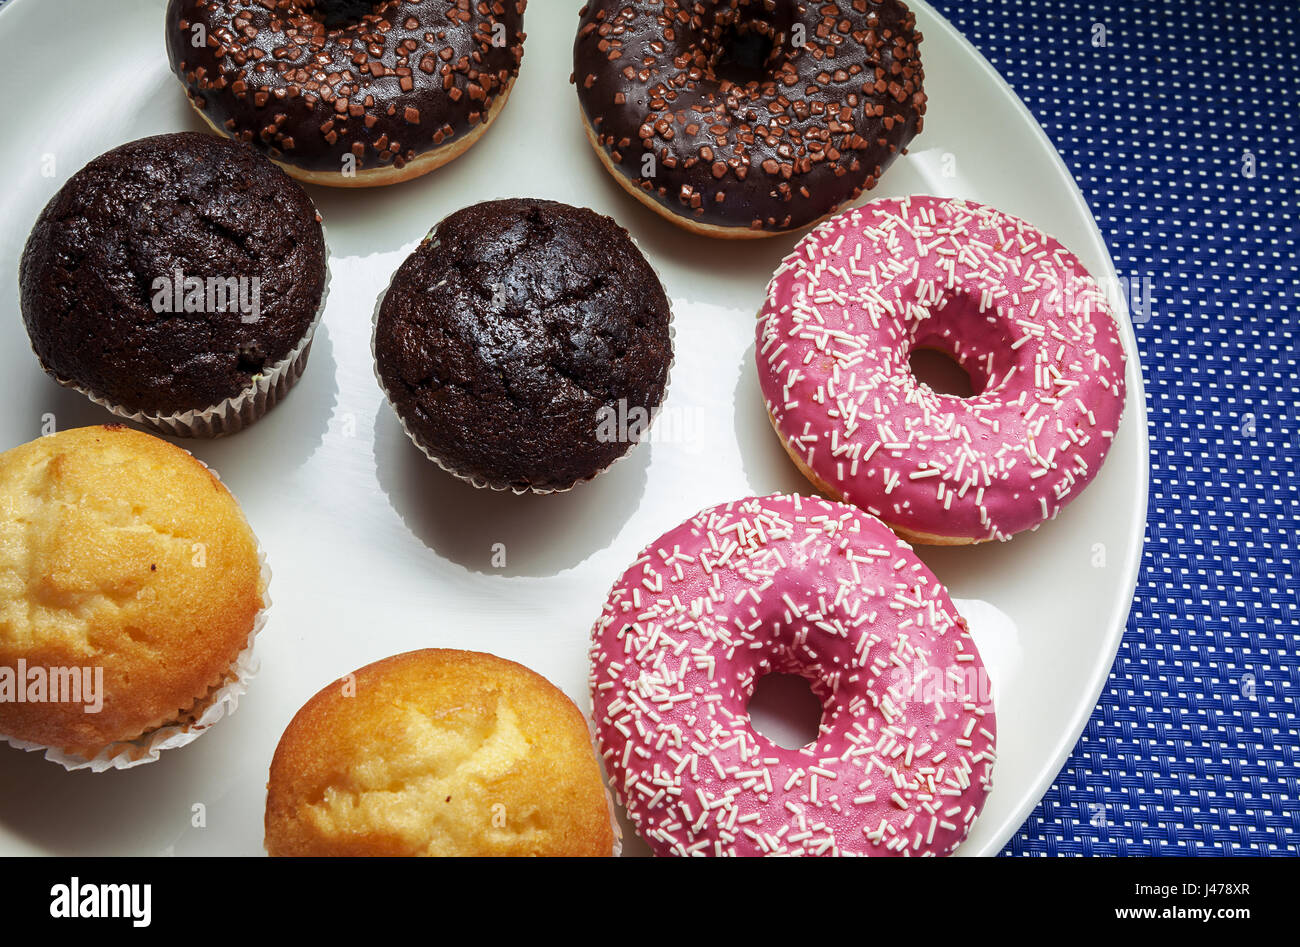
(766, 114)
(312, 82)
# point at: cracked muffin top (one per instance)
(525, 344)
(168, 273)
(120, 552)
(438, 752)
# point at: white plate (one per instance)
(376, 551)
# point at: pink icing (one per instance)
(902, 762)
(1011, 305)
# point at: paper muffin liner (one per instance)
(238, 411)
(479, 482)
(610, 803)
(191, 723)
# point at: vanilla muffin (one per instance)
(124, 558)
(438, 752)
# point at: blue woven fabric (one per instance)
(1179, 122)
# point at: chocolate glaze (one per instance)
(766, 114)
(405, 78)
(510, 329)
(202, 205)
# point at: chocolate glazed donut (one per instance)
(350, 93)
(744, 118)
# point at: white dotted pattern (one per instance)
(1181, 130)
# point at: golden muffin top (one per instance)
(438, 752)
(120, 552)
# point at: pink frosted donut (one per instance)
(1013, 307)
(902, 762)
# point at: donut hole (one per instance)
(959, 347)
(784, 709)
(941, 373)
(340, 14)
(743, 52)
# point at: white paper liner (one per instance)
(238, 411)
(610, 803)
(219, 702)
(479, 482)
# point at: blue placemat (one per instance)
(1179, 122)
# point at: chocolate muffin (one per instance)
(177, 280)
(525, 344)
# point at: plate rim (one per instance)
(1135, 413)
